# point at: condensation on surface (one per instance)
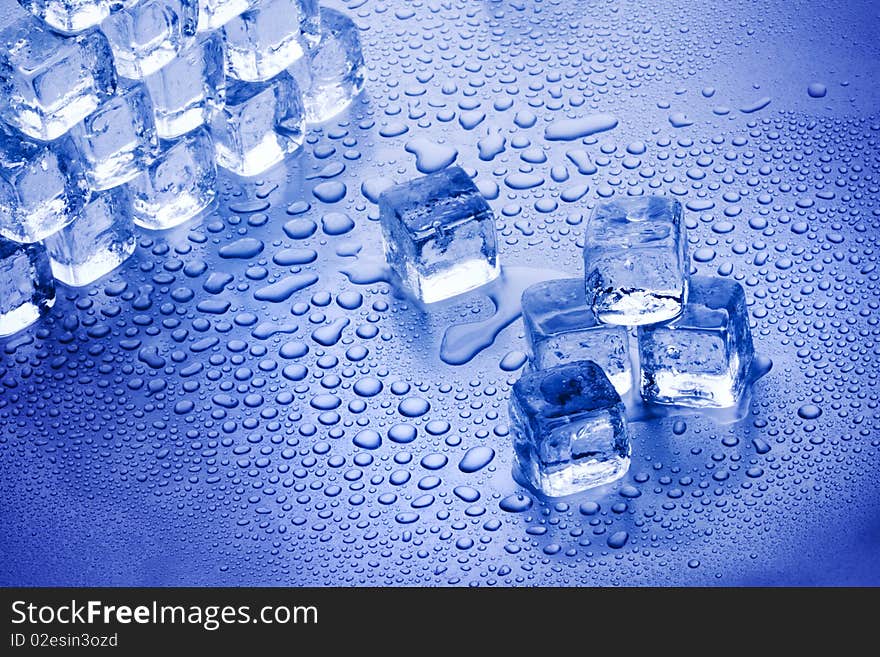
(249, 401)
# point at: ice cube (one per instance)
(38, 189)
(702, 358)
(27, 289)
(634, 258)
(99, 239)
(561, 328)
(262, 42)
(116, 142)
(214, 14)
(260, 124)
(569, 428)
(439, 234)
(49, 82)
(69, 16)
(148, 35)
(332, 72)
(187, 92)
(178, 184)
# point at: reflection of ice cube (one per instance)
(561, 328)
(214, 14)
(69, 16)
(178, 185)
(149, 34)
(634, 258)
(439, 234)
(703, 357)
(115, 142)
(332, 72)
(265, 40)
(260, 124)
(37, 190)
(190, 89)
(48, 82)
(27, 289)
(569, 428)
(98, 240)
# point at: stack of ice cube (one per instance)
(115, 114)
(70, 138)
(694, 345)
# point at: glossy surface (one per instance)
(247, 401)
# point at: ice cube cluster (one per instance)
(568, 419)
(116, 114)
(694, 345)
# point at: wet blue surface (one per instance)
(249, 402)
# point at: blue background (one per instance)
(148, 437)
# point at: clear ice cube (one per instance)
(187, 92)
(703, 358)
(569, 428)
(561, 328)
(99, 239)
(439, 234)
(116, 142)
(332, 72)
(27, 288)
(149, 34)
(214, 14)
(262, 42)
(634, 259)
(38, 188)
(69, 16)
(49, 82)
(260, 124)
(178, 184)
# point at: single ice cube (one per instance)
(634, 259)
(260, 124)
(39, 189)
(569, 428)
(262, 42)
(178, 184)
(148, 35)
(99, 239)
(49, 82)
(116, 142)
(69, 16)
(439, 234)
(561, 328)
(27, 288)
(332, 72)
(214, 14)
(188, 91)
(702, 358)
